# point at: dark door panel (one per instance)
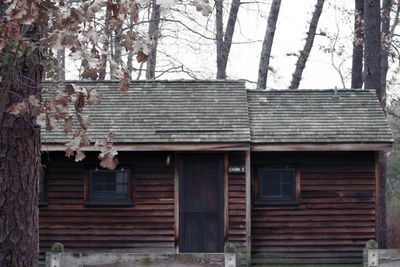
(201, 203)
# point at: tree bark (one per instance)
(386, 37)
(267, 44)
(301, 62)
(154, 33)
(19, 166)
(224, 41)
(372, 80)
(372, 50)
(357, 60)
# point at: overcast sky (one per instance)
(290, 36)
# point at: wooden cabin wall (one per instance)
(147, 226)
(237, 204)
(335, 216)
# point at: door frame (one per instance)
(177, 193)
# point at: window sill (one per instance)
(43, 204)
(276, 203)
(109, 204)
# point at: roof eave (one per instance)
(378, 146)
(239, 146)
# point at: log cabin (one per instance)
(281, 175)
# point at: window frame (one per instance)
(272, 201)
(88, 185)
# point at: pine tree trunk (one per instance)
(372, 50)
(19, 168)
(372, 80)
(301, 62)
(224, 41)
(267, 44)
(357, 63)
(386, 37)
(154, 33)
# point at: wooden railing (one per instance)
(375, 257)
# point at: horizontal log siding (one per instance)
(336, 213)
(237, 205)
(148, 226)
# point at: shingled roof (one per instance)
(316, 116)
(167, 112)
(224, 112)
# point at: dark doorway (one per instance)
(201, 205)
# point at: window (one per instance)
(42, 187)
(276, 186)
(109, 186)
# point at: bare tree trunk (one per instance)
(130, 52)
(372, 50)
(106, 46)
(267, 44)
(301, 62)
(19, 164)
(387, 33)
(154, 33)
(357, 63)
(224, 42)
(61, 64)
(372, 72)
(117, 47)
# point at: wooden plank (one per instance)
(376, 168)
(297, 184)
(176, 202)
(226, 197)
(322, 147)
(161, 147)
(148, 260)
(248, 206)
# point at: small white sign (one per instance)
(236, 169)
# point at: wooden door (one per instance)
(201, 216)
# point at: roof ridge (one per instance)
(153, 81)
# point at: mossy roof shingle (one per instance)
(167, 112)
(224, 112)
(316, 116)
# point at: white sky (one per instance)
(290, 36)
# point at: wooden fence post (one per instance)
(53, 259)
(371, 254)
(231, 259)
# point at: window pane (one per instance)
(276, 184)
(287, 190)
(271, 184)
(41, 185)
(109, 186)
